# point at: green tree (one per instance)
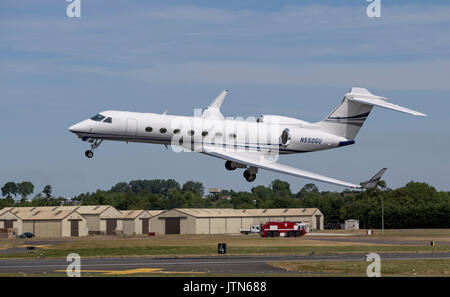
(47, 191)
(194, 187)
(9, 189)
(281, 188)
(25, 188)
(121, 187)
(308, 188)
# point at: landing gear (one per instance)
(249, 175)
(229, 165)
(89, 154)
(95, 143)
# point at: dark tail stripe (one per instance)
(363, 115)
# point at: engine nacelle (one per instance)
(285, 138)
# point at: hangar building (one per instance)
(313, 217)
(199, 221)
(228, 221)
(137, 221)
(46, 222)
(102, 219)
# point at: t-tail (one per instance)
(346, 119)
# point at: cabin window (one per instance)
(176, 131)
(232, 135)
(97, 118)
(108, 120)
(148, 129)
(191, 132)
(218, 135)
(163, 130)
(204, 133)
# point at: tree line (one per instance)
(415, 205)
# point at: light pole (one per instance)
(382, 215)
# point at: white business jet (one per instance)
(250, 145)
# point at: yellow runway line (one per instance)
(43, 246)
(131, 271)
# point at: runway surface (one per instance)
(202, 265)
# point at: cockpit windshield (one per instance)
(97, 118)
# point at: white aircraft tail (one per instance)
(346, 119)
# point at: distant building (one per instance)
(45, 222)
(102, 219)
(53, 221)
(137, 221)
(213, 191)
(229, 221)
(351, 225)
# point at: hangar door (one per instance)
(74, 228)
(172, 225)
(318, 227)
(111, 225)
(144, 226)
(8, 224)
(48, 228)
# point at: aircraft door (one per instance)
(131, 127)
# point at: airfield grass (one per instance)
(207, 250)
(206, 245)
(401, 268)
(212, 251)
(399, 234)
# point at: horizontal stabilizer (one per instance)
(381, 103)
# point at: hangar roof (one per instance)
(131, 214)
(212, 212)
(92, 209)
(5, 209)
(84, 209)
(279, 212)
(155, 212)
(44, 215)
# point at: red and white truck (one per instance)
(287, 229)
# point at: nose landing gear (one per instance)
(95, 143)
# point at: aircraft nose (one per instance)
(78, 127)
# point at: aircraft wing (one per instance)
(266, 161)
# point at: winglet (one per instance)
(213, 110)
(218, 101)
(374, 180)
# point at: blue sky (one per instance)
(294, 58)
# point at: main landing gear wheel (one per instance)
(249, 176)
(229, 165)
(89, 154)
